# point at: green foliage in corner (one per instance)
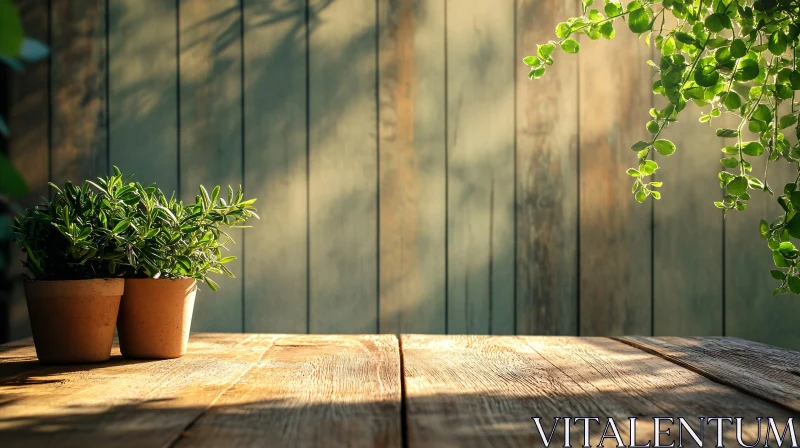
(735, 57)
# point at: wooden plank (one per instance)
(78, 91)
(275, 101)
(211, 135)
(547, 178)
(758, 369)
(687, 231)
(751, 311)
(480, 166)
(28, 149)
(120, 403)
(615, 230)
(343, 168)
(143, 90)
(311, 391)
(483, 391)
(412, 166)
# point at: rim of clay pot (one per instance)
(64, 288)
(191, 282)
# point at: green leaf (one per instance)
(607, 30)
(706, 75)
(570, 46)
(648, 167)
(121, 226)
(612, 9)
(211, 284)
(763, 228)
(718, 22)
(11, 34)
(777, 275)
(738, 186)
(563, 30)
(12, 183)
(537, 73)
(633, 173)
(638, 146)
(738, 48)
(531, 60)
(794, 80)
(786, 121)
(762, 113)
(793, 227)
(664, 147)
(729, 162)
(684, 38)
(639, 21)
(545, 51)
(779, 261)
(732, 101)
(754, 149)
(748, 70)
(727, 133)
(777, 43)
(653, 127)
(794, 284)
(640, 195)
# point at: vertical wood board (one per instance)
(480, 166)
(412, 166)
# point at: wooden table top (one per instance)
(378, 390)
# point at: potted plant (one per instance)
(176, 246)
(75, 247)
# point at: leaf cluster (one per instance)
(731, 57)
(118, 228)
(78, 234)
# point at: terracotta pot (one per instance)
(155, 317)
(73, 321)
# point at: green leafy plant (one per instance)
(79, 234)
(118, 228)
(179, 241)
(734, 57)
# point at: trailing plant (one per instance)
(179, 241)
(734, 57)
(79, 234)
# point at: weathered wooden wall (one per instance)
(410, 177)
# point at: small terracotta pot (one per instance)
(155, 317)
(73, 321)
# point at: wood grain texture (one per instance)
(211, 135)
(687, 231)
(483, 391)
(615, 230)
(143, 90)
(767, 372)
(276, 259)
(119, 403)
(480, 166)
(79, 126)
(343, 168)
(547, 179)
(28, 149)
(311, 391)
(412, 166)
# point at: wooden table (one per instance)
(310, 390)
